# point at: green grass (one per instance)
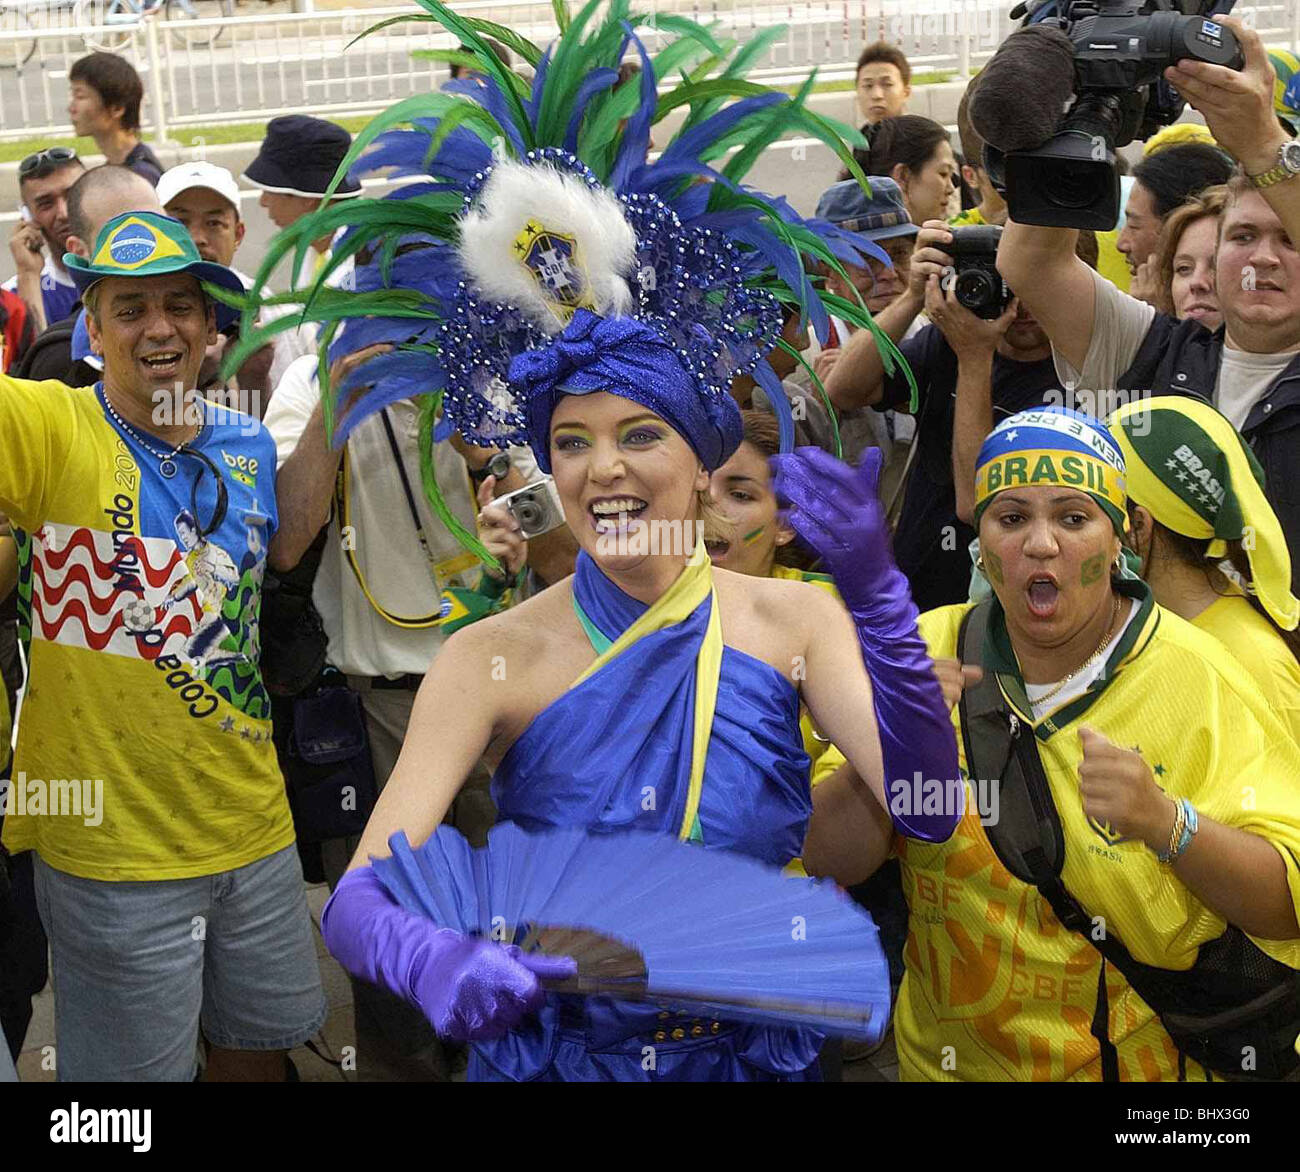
(234, 132)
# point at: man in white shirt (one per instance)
(1111, 346)
(381, 563)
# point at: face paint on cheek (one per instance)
(1092, 569)
(993, 564)
(753, 535)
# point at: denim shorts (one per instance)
(138, 966)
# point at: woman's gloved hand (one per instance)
(836, 509)
(469, 988)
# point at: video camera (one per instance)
(1121, 50)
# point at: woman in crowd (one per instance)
(565, 693)
(1184, 264)
(1145, 737)
(1208, 509)
(1162, 181)
(916, 154)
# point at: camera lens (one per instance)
(1077, 185)
(974, 288)
(529, 514)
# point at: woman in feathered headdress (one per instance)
(597, 306)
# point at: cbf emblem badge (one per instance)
(553, 260)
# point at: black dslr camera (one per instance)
(977, 284)
(1121, 50)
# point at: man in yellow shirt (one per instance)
(144, 777)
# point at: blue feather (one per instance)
(789, 268)
(766, 378)
(488, 94)
(400, 375)
(636, 135)
(533, 103)
(595, 82)
(688, 146)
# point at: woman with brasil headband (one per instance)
(1209, 544)
(1141, 739)
(598, 692)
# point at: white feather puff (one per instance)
(516, 193)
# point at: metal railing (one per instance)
(264, 66)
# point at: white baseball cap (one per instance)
(198, 174)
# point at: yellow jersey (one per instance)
(995, 988)
(1261, 651)
(144, 738)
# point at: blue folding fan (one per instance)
(649, 918)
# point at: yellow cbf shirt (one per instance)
(144, 742)
(995, 988)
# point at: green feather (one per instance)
(821, 390)
(429, 479)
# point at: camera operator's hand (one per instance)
(928, 258)
(1145, 282)
(499, 531)
(1238, 107)
(967, 333)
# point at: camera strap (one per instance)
(341, 501)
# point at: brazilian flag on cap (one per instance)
(148, 244)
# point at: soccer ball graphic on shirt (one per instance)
(138, 615)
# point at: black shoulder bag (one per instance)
(1236, 1011)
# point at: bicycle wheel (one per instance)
(115, 22)
(183, 10)
(16, 53)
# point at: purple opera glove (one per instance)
(469, 988)
(836, 510)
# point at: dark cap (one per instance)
(877, 216)
(299, 157)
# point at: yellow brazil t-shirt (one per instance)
(995, 988)
(1261, 651)
(144, 738)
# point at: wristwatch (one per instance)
(498, 466)
(1288, 165)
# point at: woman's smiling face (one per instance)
(619, 468)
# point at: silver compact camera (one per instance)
(536, 507)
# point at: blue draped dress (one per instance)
(615, 752)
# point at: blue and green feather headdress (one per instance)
(523, 203)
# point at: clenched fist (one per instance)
(1117, 788)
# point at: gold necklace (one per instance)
(1087, 663)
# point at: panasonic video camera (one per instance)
(1121, 50)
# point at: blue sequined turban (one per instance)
(627, 358)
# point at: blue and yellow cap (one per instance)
(1053, 446)
(148, 244)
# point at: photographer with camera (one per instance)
(982, 358)
(1250, 367)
